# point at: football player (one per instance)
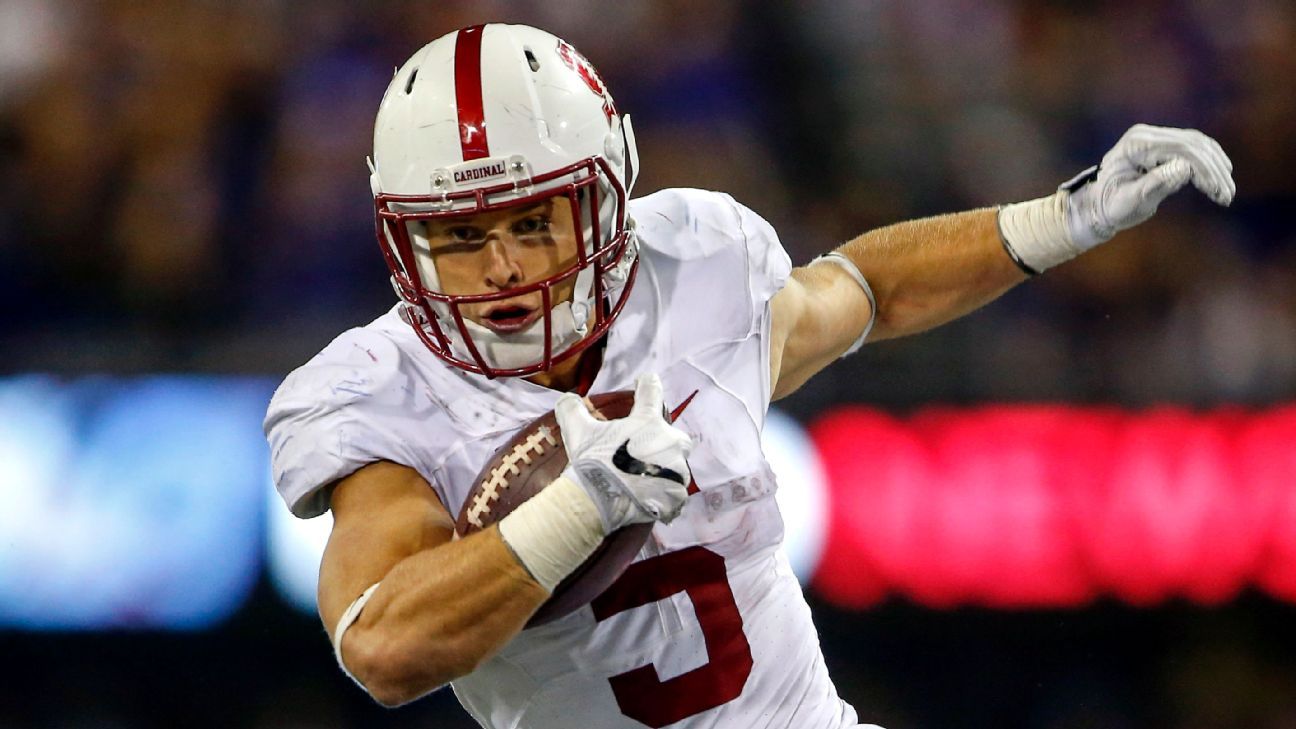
(527, 277)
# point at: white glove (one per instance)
(1144, 168)
(633, 468)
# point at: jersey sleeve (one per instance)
(345, 408)
(768, 265)
(729, 259)
(717, 267)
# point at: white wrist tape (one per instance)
(1035, 232)
(850, 268)
(553, 532)
(349, 616)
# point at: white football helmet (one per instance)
(490, 117)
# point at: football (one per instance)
(520, 469)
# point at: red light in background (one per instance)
(1267, 464)
(1052, 506)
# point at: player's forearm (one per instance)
(437, 615)
(927, 272)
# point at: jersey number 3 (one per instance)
(700, 573)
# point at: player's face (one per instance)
(505, 249)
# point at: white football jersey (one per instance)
(708, 628)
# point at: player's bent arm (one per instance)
(927, 272)
(922, 273)
(442, 606)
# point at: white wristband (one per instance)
(853, 271)
(1035, 232)
(553, 532)
(349, 616)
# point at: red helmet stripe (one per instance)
(468, 93)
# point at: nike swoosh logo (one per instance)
(679, 410)
(627, 463)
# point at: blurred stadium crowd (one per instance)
(184, 183)
(182, 188)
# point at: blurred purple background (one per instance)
(184, 184)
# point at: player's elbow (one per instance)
(394, 691)
(390, 696)
(395, 675)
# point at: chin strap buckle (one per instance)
(580, 317)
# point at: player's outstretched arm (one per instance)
(441, 606)
(923, 273)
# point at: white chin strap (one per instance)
(517, 349)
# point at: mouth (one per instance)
(510, 318)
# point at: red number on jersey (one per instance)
(700, 573)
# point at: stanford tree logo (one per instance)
(578, 63)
